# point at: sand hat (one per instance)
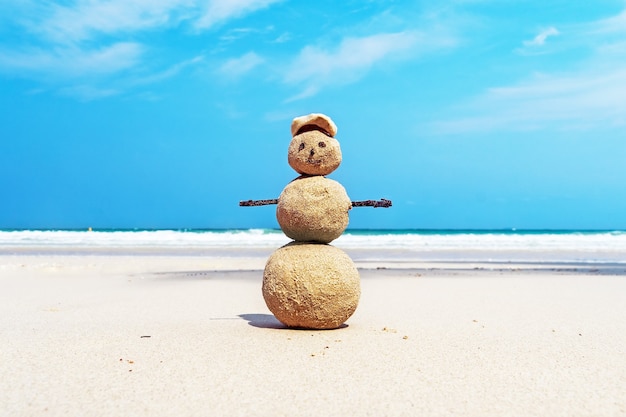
(318, 120)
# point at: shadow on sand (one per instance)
(264, 321)
(268, 321)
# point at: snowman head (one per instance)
(314, 149)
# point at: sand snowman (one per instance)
(309, 283)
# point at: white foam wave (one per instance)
(259, 238)
(494, 241)
(158, 238)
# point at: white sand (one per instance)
(449, 340)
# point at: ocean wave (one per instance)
(142, 238)
(267, 238)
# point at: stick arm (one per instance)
(253, 203)
(383, 202)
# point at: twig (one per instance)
(384, 203)
(251, 203)
(372, 203)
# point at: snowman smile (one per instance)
(314, 161)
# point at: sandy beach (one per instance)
(160, 334)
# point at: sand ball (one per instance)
(311, 285)
(314, 153)
(313, 209)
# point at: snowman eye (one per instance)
(301, 146)
(322, 144)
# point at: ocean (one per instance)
(463, 245)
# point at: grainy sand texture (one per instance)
(111, 334)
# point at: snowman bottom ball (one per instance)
(311, 285)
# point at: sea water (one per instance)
(501, 245)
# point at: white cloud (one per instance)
(218, 11)
(537, 45)
(283, 37)
(540, 39)
(87, 18)
(236, 67)
(613, 24)
(64, 62)
(85, 92)
(237, 34)
(309, 91)
(590, 93)
(315, 67)
(353, 54)
(79, 40)
(168, 72)
(576, 101)
(65, 35)
(79, 20)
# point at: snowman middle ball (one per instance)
(313, 209)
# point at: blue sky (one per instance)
(166, 113)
